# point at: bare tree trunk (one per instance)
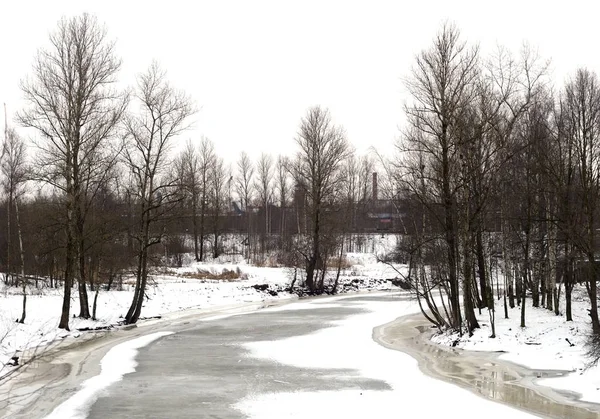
(316, 252)
(569, 281)
(195, 227)
(592, 291)
(481, 266)
(141, 275)
(216, 252)
(523, 297)
(9, 277)
(505, 291)
(142, 289)
(22, 254)
(294, 279)
(207, 158)
(282, 234)
(469, 308)
(202, 224)
(68, 280)
(298, 217)
(70, 247)
(492, 314)
(84, 306)
(95, 305)
(524, 276)
(508, 269)
(536, 267)
(450, 234)
(321, 284)
(551, 288)
(339, 266)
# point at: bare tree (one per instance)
(263, 187)
(461, 120)
(15, 171)
(75, 108)
(217, 198)
(191, 179)
(163, 114)
(582, 107)
(245, 189)
(358, 181)
(282, 189)
(207, 159)
(564, 175)
(317, 169)
(504, 93)
(442, 89)
(352, 187)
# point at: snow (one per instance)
(542, 345)
(169, 294)
(348, 345)
(171, 290)
(119, 360)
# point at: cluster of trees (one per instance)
(494, 169)
(105, 185)
(502, 170)
(86, 129)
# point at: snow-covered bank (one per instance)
(169, 292)
(548, 342)
(349, 346)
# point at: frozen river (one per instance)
(308, 359)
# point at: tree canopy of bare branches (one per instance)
(163, 113)
(323, 147)
(75, 108)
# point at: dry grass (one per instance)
(333, 263)
(225, 275)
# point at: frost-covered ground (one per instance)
(548, 342)
(172, 290)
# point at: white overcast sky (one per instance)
(254, 67)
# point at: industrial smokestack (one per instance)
(374, 186)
